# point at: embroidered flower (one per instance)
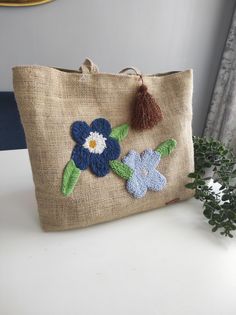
(95, 147)
(145, 176)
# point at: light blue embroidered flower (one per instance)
(145, 176)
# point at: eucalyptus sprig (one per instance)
(219, 207)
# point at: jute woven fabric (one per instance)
(50, 100)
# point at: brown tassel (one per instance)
(146, 112)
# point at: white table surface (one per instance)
(163, 262)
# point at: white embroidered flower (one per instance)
(95, 143)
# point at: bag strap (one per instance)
(88, 67)
(136, 70)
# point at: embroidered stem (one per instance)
(70, 177)
(166, 147)
(121, 169)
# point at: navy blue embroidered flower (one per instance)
(95, 147)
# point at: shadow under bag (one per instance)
(104, 146)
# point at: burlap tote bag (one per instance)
(104, 146)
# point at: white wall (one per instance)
(154, 35)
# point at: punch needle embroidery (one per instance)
(140, 169)
(145, 176)
(96, 145)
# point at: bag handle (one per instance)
(136, 70)
(88, 66)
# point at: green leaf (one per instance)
(215, 228)
(207, 213)
(231, 215)
(165, 148)
(70, 177)
(225, 197)
(121, 169)
(192, 175)
(120, 132)
(211, 222)
(200, 182)
(190, 186)
(222, 187)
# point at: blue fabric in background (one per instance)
(11, 131)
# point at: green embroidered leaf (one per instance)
(121, 169)
(166, 147)
(70, 177)
(120, 132)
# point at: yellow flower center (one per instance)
(92, 144)
(95, 143)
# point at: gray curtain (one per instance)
(221, 120)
